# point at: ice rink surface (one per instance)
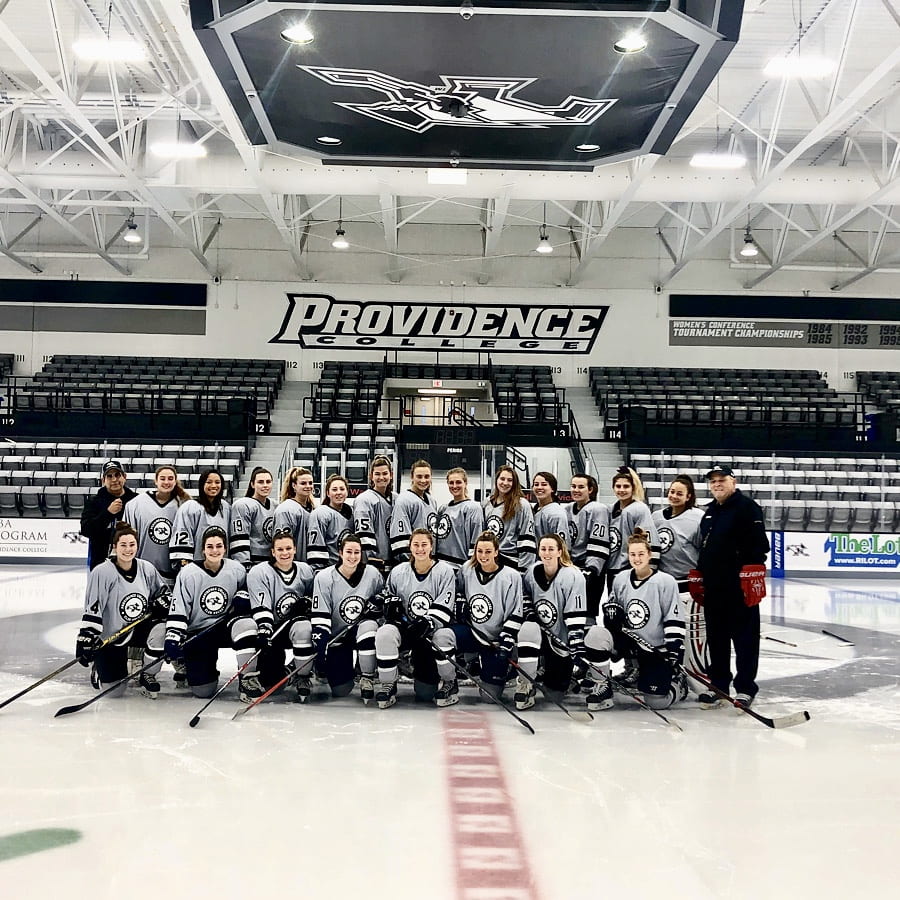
(335, 799)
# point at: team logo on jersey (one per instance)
(666, 539)
(351, 608)
(214, 600)
(546, 612)
(132, 606)
(160, 531)
(495, 524)
(573, 533)
(431, 522)
(615, 539)
(637, 612)
(268, 528)
(442, 529)
(480, 608)
(284, 604)
(419, 604)
(458, 101)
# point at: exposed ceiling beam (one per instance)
(493, 220)
(391, 234)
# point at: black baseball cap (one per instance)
(111, 465)
(719, 469)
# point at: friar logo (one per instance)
(479, 102)
(319, 321)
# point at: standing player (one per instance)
(418, 596)
(589, 537)
(459, 522)
(210, 593)
(104, 511)
(645, 618)
(253, 520)
(493, 617)
(508, 515)
(329, 524)
(549, 514)
(413, 508)
(628, 513)
(678, 530)
(280, 592)
(372, 513)
(292, 513)
(344, 601)
(210, 509)
(152, 515)
(121, 591)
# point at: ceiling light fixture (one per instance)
(340, 241)
(298, 34)
(106, 50)
(586, 148)
(633, 42)
(328, 140)
(749, 250)
(132, 235)
(544, 245)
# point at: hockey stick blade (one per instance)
(844, 640)
(776, 722)
(616, 685)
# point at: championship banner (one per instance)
(26, 540)
(839, 552)
(319, 321)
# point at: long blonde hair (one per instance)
(637, 486)
(287, 485)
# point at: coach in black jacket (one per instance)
(104, 510)
(733, 535)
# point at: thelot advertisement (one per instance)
(796, 551)
(34, 539)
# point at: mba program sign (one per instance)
(319, 321)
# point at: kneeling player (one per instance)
(280, 592)
(120, 592)
(493, 617)
(646, 620)
(419, 596)
(556, 631)
(211, 609)
(344, 610)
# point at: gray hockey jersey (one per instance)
(589, 535)
(410, 512)
(432, 594)
(622, 523)
(679, 540)
(493, 600)
(273, 593)
(154, 523)
(551, 519)
(252, 526)
(516, 535)
(326, 529)
(458, 526)
(191, 520)
(114, 599)
(372, 522)
(200, 598)
(559, 603)
(294, 517)
(338, 601)
(653, 614)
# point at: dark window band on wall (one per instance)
(841, 309)
(107, 293)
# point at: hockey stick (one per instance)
(72, 662)
(193, 723)
(481, 688)
(66, 710)
(779, 722)
(336, 641)
(583, 716)
(768, 637)
(618, 686)
(846, 641)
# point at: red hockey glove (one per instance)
(753, 583)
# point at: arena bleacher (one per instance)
(341, 447)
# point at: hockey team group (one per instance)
(307, 593)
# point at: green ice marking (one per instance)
(24, 842)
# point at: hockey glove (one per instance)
(159, 603)
(528, 611)
(461, 610)
(506, 643)
(172, 649)
(675, 655)
(420, 628)
(264, 632)
(320, 637)
(86, 646)
(241, 603)
(753, 583)
(613, 617)
(394, 611)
